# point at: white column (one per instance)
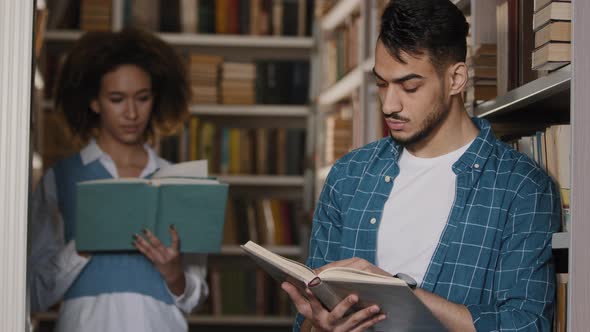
(16, 34)
(579, 265)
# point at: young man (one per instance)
(441, 199)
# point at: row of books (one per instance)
(552, 26)
(551, 149)
(266, 221)
(244, 292)
(527, 40)
(262, 151)
(482, 71)
(237, 17)
(338, 134)
(341, 53)
(214, 81)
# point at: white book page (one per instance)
(350, 274)
(191, 169)
(116, 180)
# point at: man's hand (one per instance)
(167, 260)
(324, 320)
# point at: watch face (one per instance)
(407, 279)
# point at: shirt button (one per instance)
(387, 178)
(373, 221)
(476, 166)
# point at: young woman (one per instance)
(115, 90)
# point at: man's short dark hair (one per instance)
(417, 27)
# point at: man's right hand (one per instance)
(323, 320)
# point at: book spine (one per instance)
(324, 293)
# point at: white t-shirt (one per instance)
(416, 213)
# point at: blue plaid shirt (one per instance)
(494, 254)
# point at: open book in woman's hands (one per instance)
(405, 312)
(110, 211)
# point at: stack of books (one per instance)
(238, 83)
(95, 15)
(204, 78)
(552, 26)
(339, 134)
(482, 72)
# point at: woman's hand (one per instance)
(166, 259)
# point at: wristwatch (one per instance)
(407, 279)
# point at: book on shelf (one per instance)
(338, 135)
(189, 16)
(554, 32)
(142, 13)
(243, 292)
(540, 4)
(507, 18)
(561, 299)
(266, 221)
(261, 151)
(526, 43)
(395, 298)
(342, 51)
(555, 11)
(95, 15)
(482, 71)
(204, 76)
(238, 83)
(551, 149)
(110, 211)
(552, 56)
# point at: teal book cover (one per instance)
(110, 211)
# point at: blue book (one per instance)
(110, 211)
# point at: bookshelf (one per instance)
(189, 40)
(535, 103)
(546, 92)
(557, 98)
(347, 95)
(286, 188)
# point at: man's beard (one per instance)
(431, 122)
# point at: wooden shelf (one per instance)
(204, 319)
(262, 180)
(222, 41)
(337, 15)
(240, 320)
(560, 241)
(251, 110)
(347, 85)
(545, 92)
(292, 251)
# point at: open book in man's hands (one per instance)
(110, 211)
(404, 311)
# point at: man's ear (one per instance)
(457, 74)
(94, 106)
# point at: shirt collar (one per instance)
(476, 154)
(92, 152)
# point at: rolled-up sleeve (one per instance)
(524, 282)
